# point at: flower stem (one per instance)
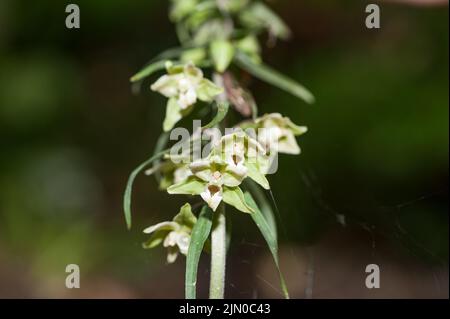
(218, 254)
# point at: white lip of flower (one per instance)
(278, 134)
(178, 240)
(218, 172)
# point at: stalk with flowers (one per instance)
(219, 41)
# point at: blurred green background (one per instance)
(370, 187)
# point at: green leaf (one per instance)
(233, 196)
(191, 186)
(273, 77)
(222, 110)
(129, 187)
(222, 53)
(199, 235)
(149, 70)
(269, 236)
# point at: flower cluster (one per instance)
(217, 178)
(277, 133)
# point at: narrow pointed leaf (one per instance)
(254, 172)
(273, 77)
(199, 235)
(269, 236)
(149, 70)
(160, 145)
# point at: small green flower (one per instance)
(175, 235)
(278, 133)
(183, 85)
(217, 173)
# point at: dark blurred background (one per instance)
(370, 187)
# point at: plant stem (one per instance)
(218, 254)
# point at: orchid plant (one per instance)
(219, 39)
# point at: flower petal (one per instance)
(183, 243)
(172, 254)
(191, 186)
(234, 175)
(173, 114)
(288, 145)
(161, 226)
(233, 196)
(207, 90)
(202, 169)
(187, 98)
(171, 239)
(181, 174)
(194, 73)
(166, 85)
(257, 174)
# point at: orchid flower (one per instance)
(277, 133)
(175, 235)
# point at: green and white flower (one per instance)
(182, 8)
(183, 85)
(170, 173)
(277, 133)
(217, 173)
(175, 235)
(239, 150)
